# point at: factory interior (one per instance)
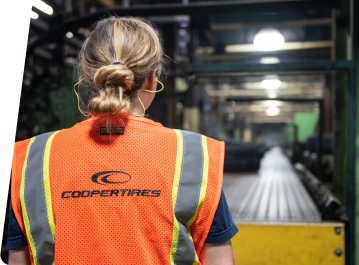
(276, 80)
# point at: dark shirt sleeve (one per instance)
(223, 228)
(16, 238)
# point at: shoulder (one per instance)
(211, 149)
(212, 140)
(213, 146)
(20, 150)
(21, 145)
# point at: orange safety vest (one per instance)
(139, 194)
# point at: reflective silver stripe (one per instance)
(188, 194)
(35, 201)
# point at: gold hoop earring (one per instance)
(156, 90)
(144, 109)
(78, 98)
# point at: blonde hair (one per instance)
(129, 41)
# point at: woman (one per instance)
(118, 188)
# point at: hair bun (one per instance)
(114, 75)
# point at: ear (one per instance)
(152, 80)
(154, 74)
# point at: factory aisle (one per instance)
(274, 194)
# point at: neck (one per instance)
(137, 108)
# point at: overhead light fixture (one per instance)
(272, 95)
(273, 111)
(183, 32)
(34, 15)
(271, 83)
(231, 116)
(272, 103)
(268, 39)
(269, 60)
(42, 6)
(70, 60)
(69, 35)
(179, 105)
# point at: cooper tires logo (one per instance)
(111, 177)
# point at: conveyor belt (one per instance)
(275, 194)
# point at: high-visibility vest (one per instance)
(124, 191)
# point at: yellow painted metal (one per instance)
(288, 244)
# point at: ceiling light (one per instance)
(182, 32)
(34, 15)
(42, 6)
(272, 103)
(269, 60)
(272, 95)
(268, 39)
(179, 105)
(69, 35)
(231, 116)
(271, 83)
(273, 111)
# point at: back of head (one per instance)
(135, 48)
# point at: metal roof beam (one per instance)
(287, 23)
(194, 9)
